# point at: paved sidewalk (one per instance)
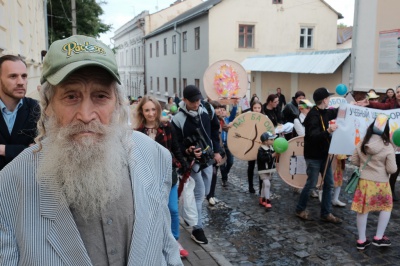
(199, 255)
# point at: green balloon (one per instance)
(280, 145)
(396, 137)
(173, 108)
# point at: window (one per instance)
(134, 56)
(184, 41)
(165, 46)
(174, 44)
(157, 48)
(166, 84)
(276, 1)
(246, 36)
(151, 83)
(184, 83)
(127, 57)
(175, 85)
(151, 50)
(197, 83)
(306, 37)
(197, 38)
(158, 84)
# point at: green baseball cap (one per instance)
(67, 55)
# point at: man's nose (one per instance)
(86, 112)
(21, 80)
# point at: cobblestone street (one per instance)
(246, 234)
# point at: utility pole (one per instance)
(73, 7)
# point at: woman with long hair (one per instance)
(389, 95)
(269, 109)
(376, 159)
(256, 106)
(148, 121)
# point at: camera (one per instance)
(207, 154)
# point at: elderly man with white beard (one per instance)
(91, 191)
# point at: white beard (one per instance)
(89, 169)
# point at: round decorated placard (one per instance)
(225, 81)
(244, 135)
(292, 165)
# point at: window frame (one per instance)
(174, 44)
(184, 41)
(157, 48)
(165, 46)
(306, 36)
(245, 35)
(197, 38)
(151, 50)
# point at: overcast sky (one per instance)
(119, 12)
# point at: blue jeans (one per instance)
(314, 167)
(225, 168)
(173, 210)
(202, 181)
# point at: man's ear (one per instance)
(49, 110)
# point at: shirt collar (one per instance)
(3, 107)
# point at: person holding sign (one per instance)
(373, 190)
(316, 146)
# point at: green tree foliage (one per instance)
(59, 18)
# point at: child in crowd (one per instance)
(338, 179)
(266, 166)
(376, 158)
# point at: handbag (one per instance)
(355, 177)
(187, 203)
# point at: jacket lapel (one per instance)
(22, 116)
(145, 200)
(4, 129)
(63, 235)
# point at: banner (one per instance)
(353, 121)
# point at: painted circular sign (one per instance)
(292, 165)
(244, 135)
(225, 80)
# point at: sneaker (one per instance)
(338, 203)
(314, 194)
(330, 218)
(268, 204)
(363, 245)
(183, 252)
(261, 201)
(211, 201)
(251, 190)
(383, 242)
(224, 183)
(198, 236)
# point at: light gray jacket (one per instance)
(37, 227)
(382, 163)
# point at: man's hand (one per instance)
(332, 128)
(197, 152)
(217, 158)
(364, 102)
(2, 150)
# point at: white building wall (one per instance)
(22, 32)
(370, 18)
(277, 27)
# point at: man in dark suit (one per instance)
(19, 114)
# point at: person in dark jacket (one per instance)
(266, 167)
(291, 110)
(196, 120)
(316, 146)
(19, 113)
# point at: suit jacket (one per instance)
(23, 132)
(37, 227)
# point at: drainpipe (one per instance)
(180, 62)
(354, 45)
(46, 28)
